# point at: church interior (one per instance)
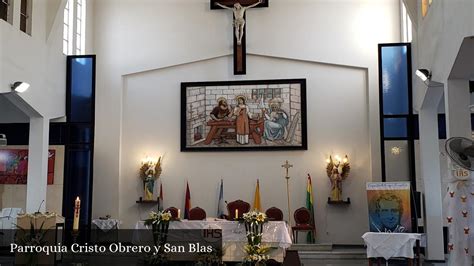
(246, 132)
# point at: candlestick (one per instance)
(77, 211)
(236, 214)
(179, 214)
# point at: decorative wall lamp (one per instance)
(150, 170)
(337, 170)
(19, 86)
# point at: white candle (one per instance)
(236, 213)
(77, 211)
(179, 213)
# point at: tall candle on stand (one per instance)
(236, 214)
(179, 214)
(77, 210)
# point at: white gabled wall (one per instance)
(146, 48)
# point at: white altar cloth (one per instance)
(276, 234)
(390, 245)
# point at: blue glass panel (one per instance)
(395, 127)
(78, 180)
(80, 134)
(442, 126)
(394, 64)
(81, 90)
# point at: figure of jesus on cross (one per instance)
(239, 20)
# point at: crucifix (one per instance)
(287, 166)
(239, 8)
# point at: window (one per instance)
(266, 94)
(406, 24)
(425, 5)
(5, 10)
(80, 26)
(74, 27)
(67, 28)
(25, 16)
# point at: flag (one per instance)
(221, 205)
(310, 207)
(256, 200)
(187, 202)
(160, 198)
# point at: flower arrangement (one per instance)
(156, 218)
(255, 217)
(256, 252)
(159, 222)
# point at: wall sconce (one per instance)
(423, 74)
(337, 170)
(150, 170)
(149, 160)
(396, 150)
(19, 86)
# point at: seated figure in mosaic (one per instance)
(276, 121)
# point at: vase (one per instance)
(149, 186)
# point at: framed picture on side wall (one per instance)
(250, 115)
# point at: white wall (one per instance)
(36, 59)
(438, 38)
(9, 113)
(145, 49)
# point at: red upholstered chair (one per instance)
(173, 211)
(274, 214)
(303, 223)
(197, 213)
(240, 205)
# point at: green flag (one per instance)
(310, 207)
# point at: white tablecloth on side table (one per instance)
(390, 245)
(106, 224)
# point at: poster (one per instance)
(14, 166)
(389, 207)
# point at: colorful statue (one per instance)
(337, 171)
(149, 172)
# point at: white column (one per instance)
(458, 124)
(37, 164)
(431, 173)
(458, 115)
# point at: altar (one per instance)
(276, 234)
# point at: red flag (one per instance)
(187, 202)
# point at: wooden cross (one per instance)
(287, 166)
(240, 58)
